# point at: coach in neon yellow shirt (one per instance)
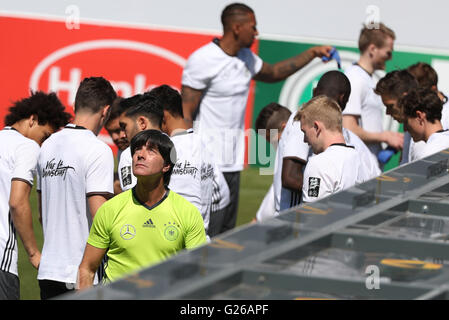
(147, 224)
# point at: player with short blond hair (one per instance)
(335, 165)
(321, 109)
(335, 85)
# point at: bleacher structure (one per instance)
(383, 239)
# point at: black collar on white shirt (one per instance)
(74, 126)
(180, 133)
(10, 128)
(341, 145)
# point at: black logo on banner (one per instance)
(53, 169)
(314, 186)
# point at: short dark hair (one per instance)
(129, 102)
(333, 84)
(47, 107)
(424, 100)
(169, 99)
(233, 10)
(272, 116)
(116, 111)
(94, 93)
(424, 74)
(160, 141)
(120, 105)
(396, 83)
(147, 106)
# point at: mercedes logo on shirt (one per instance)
(128, 232)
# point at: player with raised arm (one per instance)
(215, 86)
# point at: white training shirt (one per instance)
(18, 158)
(370, 162)
(220, 193)
(437, 142)
(125, 170)
(193, 173)
(337, 168)
(267, 208)
(73, 164)
(417, 148)
(365, 103)
(291, 144)
(445, 116)
(225, 82)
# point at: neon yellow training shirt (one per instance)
(138, 236)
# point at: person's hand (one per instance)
(321, 51)
(35, 259)
(394, 139)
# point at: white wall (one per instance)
(416, 23)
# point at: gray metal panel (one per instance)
(397, 222)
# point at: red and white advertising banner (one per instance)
(46, 54)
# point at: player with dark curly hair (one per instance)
(45, 108)
(30, 121)
(422, 118)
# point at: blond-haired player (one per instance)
(335, 165)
